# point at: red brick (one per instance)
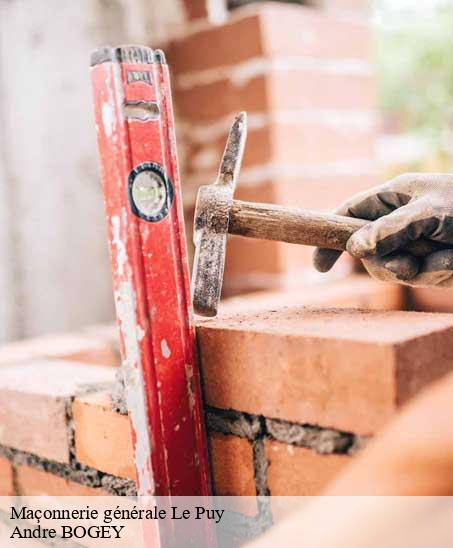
(299, 89)
(431, 299)
(259, 150)
(232, 465)
(79, 347)
(220, 98)
(232, 471)
(346, 369)
(296, 471)
(34, 482)
(33, 400)
(103, 438)
(271, 30)
(283, 144)
(6, 478)
(195, 9)
(294, 89)
(302, 31)
(315, 144)
(228, 44)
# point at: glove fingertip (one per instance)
(324, 259)
(358, 245)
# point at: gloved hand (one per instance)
(409, 207)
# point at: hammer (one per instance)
(217, 214)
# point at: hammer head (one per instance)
(212, 212)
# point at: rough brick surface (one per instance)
(33, 403)
(232, 465)
(103, 438)
(34, 482)
(296, 471)
(345, 369)
(6, 478)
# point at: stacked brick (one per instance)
(291, 392)
(305, 77)
(60, 434)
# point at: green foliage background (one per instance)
(415, 69)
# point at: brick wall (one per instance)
(305, 77)
(292, 393)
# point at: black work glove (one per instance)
(409, 207)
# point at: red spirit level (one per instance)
(135, 130)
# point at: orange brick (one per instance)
(313, 144)
(6, 478)
(299, 89)
(310, 145)
(301, 31)
(228, 44)
(295, 89)
(33, 399)
(103, 438)
(296, 471)
(431, 299)
(195, 9)
(345, 369)
(232, 465)
(270, 30)
(220, 98)
(34, 482)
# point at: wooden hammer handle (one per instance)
(303, 226)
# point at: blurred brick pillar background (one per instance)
(305, 77)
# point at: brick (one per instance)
(431, 299)
(270, 30)
(220, 98)
(34, 482)
(232, 465)
(312, 123)
(79, 347)
(286, 144)
(301, 31)
(360, 6)
(195, 9)
(298, 89)
(257, 152)
(355, 291)
(6, 478)
(33, 400)
(296, 471)
(103, 438)
(344, 369)
(315, 143)
(227, 44)
(294, 89)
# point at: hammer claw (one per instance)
(212, 212)
(234, 150)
